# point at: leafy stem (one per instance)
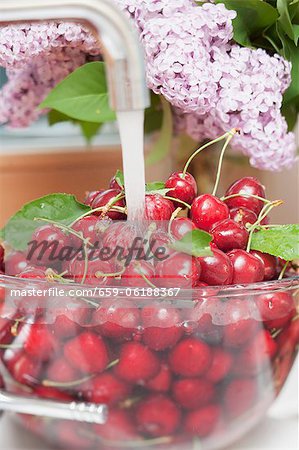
(230, 136)
(199, 150)
(264, 212)
(178, 201)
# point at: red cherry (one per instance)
(117, 320)
(158, 207)
(118, 424)
(157, 416)
(201, 317)
(276, 308)
(106, 389)
(87, 226)
(202, 421)
(182, 186)
(228, 235)
(23, 369)
(206, 210)
(216, 270)
(159, 243)
(95, 271)
(119, 239)
(137, 363)
(103, 198)
(240, 395)
(270, 264)
(178, 270)
(190, 358)
(137, 274)
(66, 434)
(16, 263)
(161, 327)
(247, 268)
(87, 352)
(249, 186)
(40, 342)
(256, 355)
(114, 184)
(162, 381)
(1, 258)
(69, 321)
(52, 394)
(239, 323)
(48, 244)
(243, 216)
(222, 362)
(60, 371)
(181, 226)
(192, 393)
(90, 196)
(32, 273)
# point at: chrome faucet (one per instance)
(121, 48)
(128, 92)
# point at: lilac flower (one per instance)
(212, 83)
(37, 57)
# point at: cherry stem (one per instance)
(129, 402)
(99, 274)
(112, 364)
(208, 144)
(246, 196)
(276, 333)
(178, 201)
(10, 346)
(283, 270)
(138, 265)
(264, 212)
(15, 326)
(111, 202)
(230, 134)
(173, 216)
(99, 209)
(50, 383)
(138, 443)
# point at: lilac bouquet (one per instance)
(197, 58)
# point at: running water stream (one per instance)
(131, 129)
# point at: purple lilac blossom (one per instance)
(41, 56)
(191, 59)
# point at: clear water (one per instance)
(131, 131)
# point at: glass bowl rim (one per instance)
(234, 290)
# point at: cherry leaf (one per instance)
(281, 241)
(195, 243)
(62, 208)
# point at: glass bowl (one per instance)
(177, 369)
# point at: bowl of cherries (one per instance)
(184, 325)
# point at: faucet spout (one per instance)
(121, 47)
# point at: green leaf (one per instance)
(162, 146)
(195, 243)
(153, 115)
(284, 17)
(62, 208)
(296, 34)
(55, 117)
(83, 95)
(281, 241)
(290, 112)
(89, 129)
(290, 51)
(119, 177)
(154, 186)
(253, 16)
